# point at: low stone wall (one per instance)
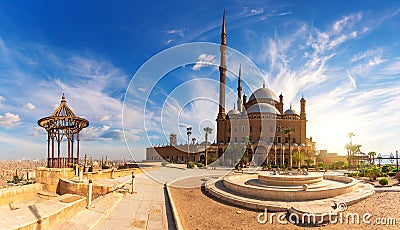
(349, 185)
(110, 173)
(70, 187)
(19, 193)
(50, 177)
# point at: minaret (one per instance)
(221, 119)
(222, 71)
(239, 101)
(279, 105)
(303, 108)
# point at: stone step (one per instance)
(44, 214)
(89, 217)
(218, 190)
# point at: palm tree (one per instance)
(288, 131)
(207, 131)
(298, 158)
(371, 156)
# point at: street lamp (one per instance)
(194, 140)
(391, 158)
(189, 132)
(379, 159)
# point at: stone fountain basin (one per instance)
(336, 185)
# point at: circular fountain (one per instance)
(282, 192)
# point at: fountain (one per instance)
(301, 192)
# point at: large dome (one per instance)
(262, 108)
(264, 93)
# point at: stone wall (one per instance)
(71, 187)
(50, 177)
(19, 193)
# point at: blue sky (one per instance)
(344, 58)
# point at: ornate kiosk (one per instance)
(60, 125)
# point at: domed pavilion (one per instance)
(63, 125)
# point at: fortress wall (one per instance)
(19, 193)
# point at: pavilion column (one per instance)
(72, 147)
(77, 148)
(48, 149)
(69, 147)
(52, 148)
(58, 148)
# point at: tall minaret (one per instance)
(222, 71)
(221, 119)
(239, 89)
(303, 108)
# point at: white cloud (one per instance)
(204, 60)
(179, 32)
(257, 11)
(142, 89)
(9, 120)
(104, 118)
(30, 106)
(105, 128)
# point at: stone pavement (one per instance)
(145, 209)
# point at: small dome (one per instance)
(263, 93)
(262, 108)
(233, 112)
(290, 112)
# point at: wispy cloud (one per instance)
(204, 60)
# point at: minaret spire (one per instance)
(222, 71)
(239, 101)
(223, 32)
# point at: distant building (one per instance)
(329, 158)
(259, 123)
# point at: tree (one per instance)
(207, 131)
(371, 157)
(308, 161)
(351, 150)
(288, 131)
(298, 158)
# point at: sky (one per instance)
(344, 59)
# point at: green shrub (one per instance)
(190, 165)
(164, 163)
(393, 173)
(303, 166)
(200, 165)
(387, 168)
(383, 181)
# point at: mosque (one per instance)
(268, 134)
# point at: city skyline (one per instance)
(343, 58)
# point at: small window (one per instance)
(235, 139)
(279, 139)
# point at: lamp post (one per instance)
(275, 154)
(379, 159)
(397, 161)
(194, 154)
(189, 132)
